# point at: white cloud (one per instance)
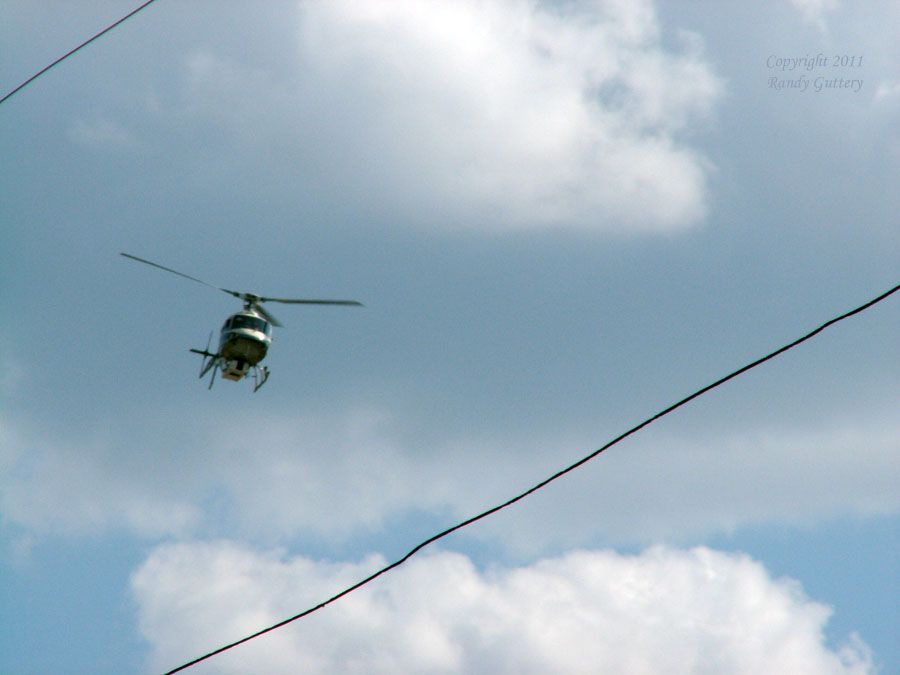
(104, 134)
(664, 610)
(85, 487)
(815, 11)
(887, 91)
(475, 114)
(675, 489)
(341, 476)
(349, 474)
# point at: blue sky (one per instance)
(561, 218)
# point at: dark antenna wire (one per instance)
(83, 44)
(544, 482)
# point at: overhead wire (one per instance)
(544, 482)
(67, 55)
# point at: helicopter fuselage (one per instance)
(243, 342)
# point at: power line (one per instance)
(546, 481)
(83, 44)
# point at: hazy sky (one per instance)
(561, 217)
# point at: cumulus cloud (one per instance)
(501, 114)
(664, 610)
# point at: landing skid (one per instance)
(260, 375)
(230, 370)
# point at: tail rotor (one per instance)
(205, 353)
(210, 361)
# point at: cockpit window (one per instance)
(251, 322)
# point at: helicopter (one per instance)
(245, 337)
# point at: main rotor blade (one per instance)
(181, 274)
(289, 301)
(249, 297)
(266, 315)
